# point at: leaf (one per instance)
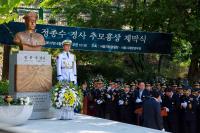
(27, 2)
(7, 7)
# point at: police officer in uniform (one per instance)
(125, 102)
(66, 64)
(189, 107)
(99, 99)
(174, 87)
(198, 110)
(196, 86)
(111, 102)
(133, 87)
(172, 103)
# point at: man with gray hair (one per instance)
(66, 64)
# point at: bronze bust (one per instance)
(29, 40)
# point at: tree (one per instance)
(180, 17)
(7, 7)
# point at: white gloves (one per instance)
(163, 130)
(167, 109)
(138, 100)
(99, 101)
(108, 88)
(121, 102)
(184, 105)
(108, 96)
(60, 78)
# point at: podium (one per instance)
(30, 75)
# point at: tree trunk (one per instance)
(6, 53)
(194, 70)
(141, 61)
(159, 64)
(134, 62)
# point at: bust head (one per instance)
(30, 20)
(29, 40)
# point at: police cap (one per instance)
(67, 42)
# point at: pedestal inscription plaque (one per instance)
(31, 75)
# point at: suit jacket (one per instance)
(173, 103)
(151, 114)
(145, 95)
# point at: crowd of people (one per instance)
(174, 108)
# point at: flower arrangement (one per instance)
(9, 100)
(65, 95)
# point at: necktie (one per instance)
(67, 54)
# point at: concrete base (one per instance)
(30, 75)
(81, 124)
(41, 102)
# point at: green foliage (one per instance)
(182, 50)
(71, 9)
(180, 17)
(4, 87)
(7, 9)
(2, 102)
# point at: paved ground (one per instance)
(81, 124)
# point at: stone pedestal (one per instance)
(30, 74)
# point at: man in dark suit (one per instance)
(151, 112)
(140, 95)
